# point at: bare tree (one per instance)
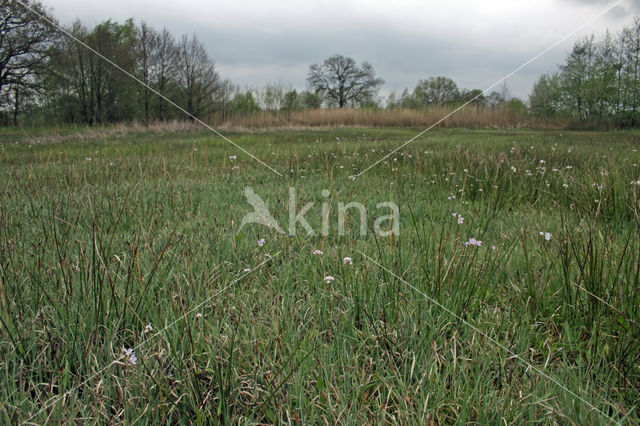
(338, 79)
(24, 40)
(147, 52)
(271, 96)
(197, 76)
(631, 42)
(165, 67)
(70, 83)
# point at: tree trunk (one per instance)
(146, 106)
(16, 104)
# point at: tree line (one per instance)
(598, 83)
(61, 79)
(50, 77)
(53, 76)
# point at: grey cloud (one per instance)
(402, 46)
(626, 9)
(398, 59)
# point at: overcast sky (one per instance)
(474, 42)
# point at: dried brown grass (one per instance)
(472, 117)
(69, 134)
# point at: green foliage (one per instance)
(244, 103)
(292, 101)
(475, 96)
(546, 98)
(516, 106)
(436, 91)
(406, 100)
(439, 91)
(599, 83)
(310, 100)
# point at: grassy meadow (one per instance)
(130, 294)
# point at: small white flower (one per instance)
(130, 356)
(318, 252)
(148, 328)
(328, 279)
(198, 315)
(347, 260)
(233, 157)
(547, 236)
(473, 242)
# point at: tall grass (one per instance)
(470, 116)
(100, 238)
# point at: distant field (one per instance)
(133, 241)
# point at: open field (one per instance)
(134, 242)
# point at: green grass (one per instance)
(99, 238)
